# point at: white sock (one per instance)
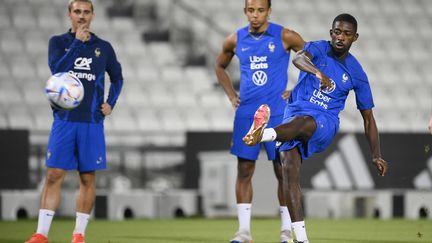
(244, 215)
(285, 218)
(300, 231)
(269, 135)
(44, 221)
(81, 223)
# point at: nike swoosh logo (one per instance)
(245, 49)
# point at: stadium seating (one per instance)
(161, 94)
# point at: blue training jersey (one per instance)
(345, 75)
(88, 61)
(264, 70)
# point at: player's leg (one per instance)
(297, 127)
(291, 162)
(273, 154)
(244, 194)
(87, 192)
(50, 201)
(92, 157)
(245, 171)
(246, 157)
(60, 157)
(84, 204)
(286, 234)
(300, 128)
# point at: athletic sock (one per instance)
(44, 221)
(285, 218)
(244, 216)
(300, 231)
(269, 135)
(81, 223)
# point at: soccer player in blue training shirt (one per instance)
(263, 49)
(77, 139)
(311, 119)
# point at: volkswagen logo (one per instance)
(259, 78)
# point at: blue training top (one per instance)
(88, 61)
(264, 70)
(345, 75)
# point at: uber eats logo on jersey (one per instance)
(320, 97)
(259, 62)
(83, 63)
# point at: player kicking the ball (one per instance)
(311, 118)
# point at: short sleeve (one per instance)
(363, 92)
(314, 49)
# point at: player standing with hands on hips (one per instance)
(77, 140)
(311, 120)
(263, 49)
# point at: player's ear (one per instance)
(331, 32)
(244, 10)
(356, 36)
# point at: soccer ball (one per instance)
(64, 91)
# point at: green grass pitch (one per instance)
(221, 230)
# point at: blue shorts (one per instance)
(326, 130)
(240, 149)
(76, 146)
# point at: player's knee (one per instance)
(54, 176)
(245, 175)
(87, 182)
(245, 171)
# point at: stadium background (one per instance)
(168, 137)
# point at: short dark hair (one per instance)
(268, 1)
(346, 18)
(85, 1)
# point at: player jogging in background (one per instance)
(311, 120)
(263, 49)
(77, 139)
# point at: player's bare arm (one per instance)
(371, 132)
(291, 40)
(302, 61)
(222, 62)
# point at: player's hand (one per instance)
(381, 165)
(286, 94)
(325, 82)
(106, 109)
(83, 33)
(430, 125)
(235, 101)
